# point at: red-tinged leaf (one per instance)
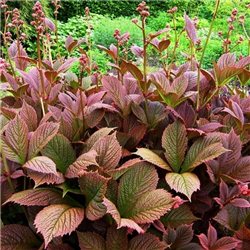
(174, 141)
(131, 225)
(118, 172)
(137, 51)
(80, 165)
(179, 85)
(226, 60)
(109, 152)
(49, 24)
(41, 137)
(36, 197)
(51, 75)
(94, 187)
(54, 92)
(58, 220)
(240, 202)
(237, 111)
(146, 241)
(115, 90)
(185, 183)
(190, 29)
(109, 52)
(117, 239)
(60, 151)
(90, 241)
(139, 180)
(12, 50)
(161, 82)
(41, 164)
(40, 178)
(203, 149)
(210, 127)
(203, 241)
(28, 114)
(66, 65)
(151, 157)
(179, 216)
(150, 206)
(135, 71)
(11, 80)
(226, 243)
(211, 235)
(241, 171)
(17, 137)
(113, 48)
(7, 151)
(70, 43)
(244, 76)
(112, 210)
(242, 63)
(17, 237)
(163, 45)
(100, 133)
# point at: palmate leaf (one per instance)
(91, 241)
(17, 237)
(174, 141)
(146, 241)
(36, 197)
(203, 149)
(60, 151)
(94, 187)
(140, 179)
(109, 151)
(151, 157)
(41, 137)
(17, 137)
(185, 183)
(179, 216)
(58, 220)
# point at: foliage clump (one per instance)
(131, 159)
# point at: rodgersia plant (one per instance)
(130, 160)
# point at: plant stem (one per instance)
(203, 53)
(144, 54)
(6, 168)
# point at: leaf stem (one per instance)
(203, 53)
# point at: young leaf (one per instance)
(179, 216)
(204, 149)
(109, 151)
(185, 183)
(79, 167)
(89, 240)
(174, 141)
(140, 179)
(58, 220)
(41, 164)
(190, 29)
(146, 241)
(16, 236)
(60, 151)
(17, 137)
(94, 187)
(150, 206)
(36, 197)
(41, 137)
(151, 157)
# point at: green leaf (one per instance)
(140, 179)
(17, 138)
(150, 156)
(94, 187)
(185, 183)
(150, 206)
(204, 149)
(179, 216)
(174, 141)
(60, 151)
(58, 220)
(91, 241)
(41, 137)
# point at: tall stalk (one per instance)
(203, 53)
